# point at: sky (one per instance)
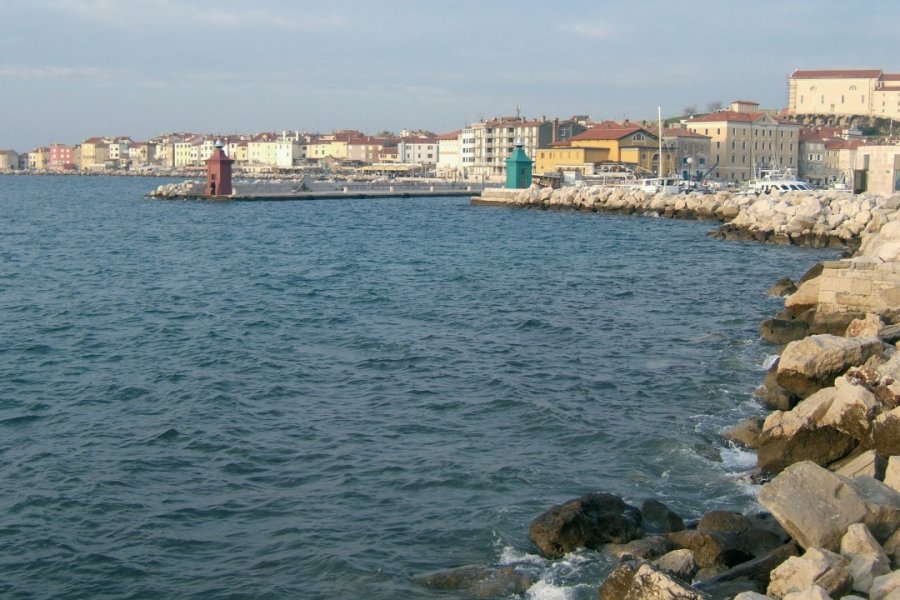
(72, 69)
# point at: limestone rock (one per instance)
(892, 473)
(724, 521)
(678, 563)
(652, 584)
(783, 331)
(852, 410)
(783, 287)
(882, 506)
(478, 581)
(868, 463)
(586, 522)
(618, 582)
(646, 548)
(810, 364)
(867, 558)
(806, 297)
(886, 587)
(890, 334)
(867, 327)
(813, 505)
(753, 575)
(710, 548)
(796, 435)
(752, 596)
(813, 592)
(816, 567)
(746, 433)
(886, 433)
(659, 518)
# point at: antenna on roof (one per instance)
(518, 112)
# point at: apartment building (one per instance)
(418, 151)
(845, 92)
(449, 157)
(745, 140)
(9, 160)
(608, 142)
(61, 157)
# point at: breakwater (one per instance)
(828, 455)
(817, 219)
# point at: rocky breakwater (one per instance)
(185, 189)
(818, 219)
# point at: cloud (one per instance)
(173, 14)
(596, 30)
(57, 72)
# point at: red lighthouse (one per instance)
(218, 172)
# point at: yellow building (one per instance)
(866, 92)
(744, 140)
(560, 158)
(94, 153)
(609, 142)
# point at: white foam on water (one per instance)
(737, 459)
(510, 556)
(769, 360)
(543, 590)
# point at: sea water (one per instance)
(324, 399)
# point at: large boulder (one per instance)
(752, 575)
(868, 559)
(852, 410)
(813, 505)
(817, 567)
(812, 363)
(806, 297)
(816, 506)
(650, 583)
(586, 522)
(886, 433)
(797, 435)
(710, 548)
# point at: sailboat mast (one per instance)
(659, 118)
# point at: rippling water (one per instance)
(323, 399)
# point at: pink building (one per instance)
(62, 158)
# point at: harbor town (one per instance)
(837, 131)
(822, 172)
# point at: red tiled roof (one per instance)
(891, 88)
(838, 74)
(727, 115)
(452, 135)
(745, 102)
(843, 144)
(606, 133)
(890, 77)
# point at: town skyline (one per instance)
(166, 66)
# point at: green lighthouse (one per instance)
(518, 168)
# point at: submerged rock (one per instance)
(586, 522)
(478, 581)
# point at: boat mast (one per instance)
(659, 118)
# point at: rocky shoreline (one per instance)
(828, 455)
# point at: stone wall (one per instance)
(859, 285)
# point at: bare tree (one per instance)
(714, 106)
(688, 110)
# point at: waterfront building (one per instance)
(492, 141)
(94, 154)
(685, 153)
(142, 154)
(449, 158)
(366, 149)
(262, 149)
(744, 140)
(9, 160)
(467, 151)
(61, 157)
(844, 92)
(609, 142)
(876, 169)
(840, 158)
(418, 151)
(184, 153)
(333, 145)
(118, 152)
(39, 159)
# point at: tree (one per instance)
(714, 106)
(688, 110)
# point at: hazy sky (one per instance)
(70, 69)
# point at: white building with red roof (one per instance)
(845, 92)
(743, 141)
